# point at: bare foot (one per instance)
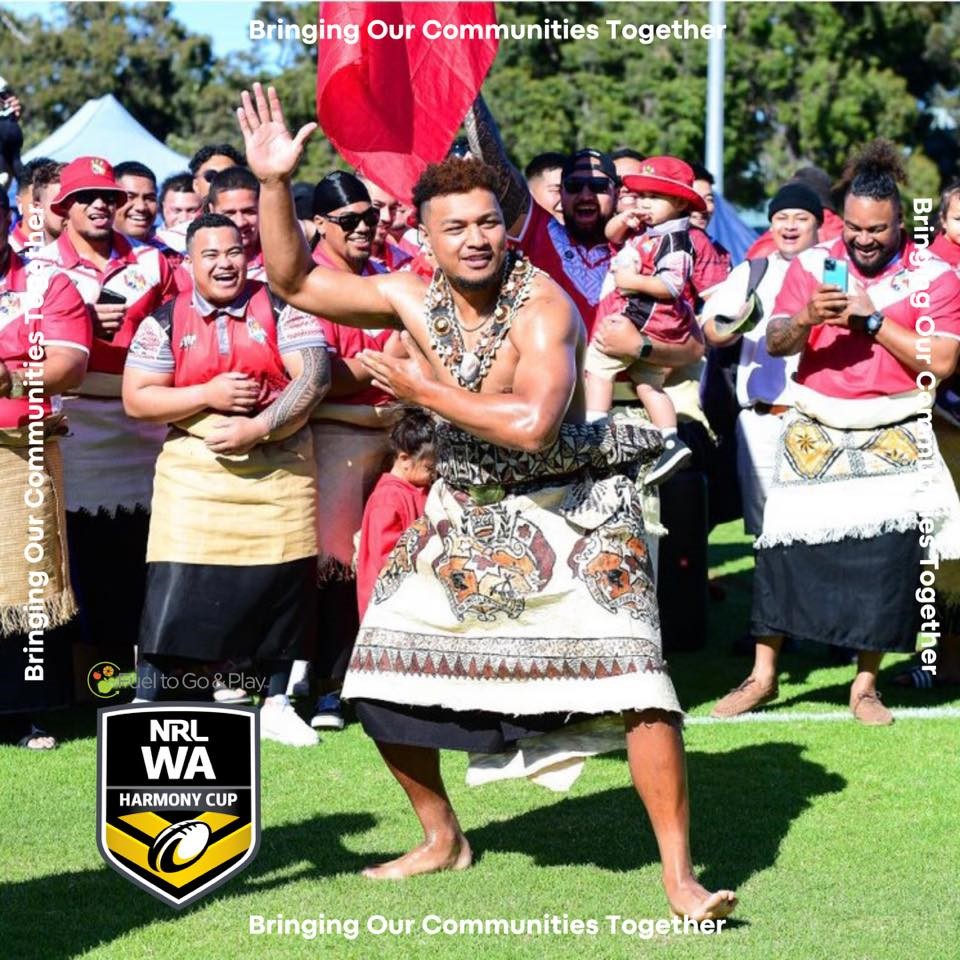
(432, 856)
(691, 899)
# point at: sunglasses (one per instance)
(86, 197)
(595, 185)
(348, 222)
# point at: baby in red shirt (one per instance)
(646, 283)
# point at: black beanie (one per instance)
(336, 190)
(796, 196)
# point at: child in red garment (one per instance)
(398, 498)
(646, 283)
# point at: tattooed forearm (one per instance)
(786, 336)
(302, 393)
(484, 138)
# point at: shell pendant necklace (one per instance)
(470, 367)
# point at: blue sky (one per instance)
(224, 20)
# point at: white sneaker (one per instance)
(280, 722)
(224, 694)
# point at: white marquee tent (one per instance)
(103, 128)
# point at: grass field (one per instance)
(842, 841)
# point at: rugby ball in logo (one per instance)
(179, 845)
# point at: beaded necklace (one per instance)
(470, 367)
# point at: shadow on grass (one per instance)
(60, 916)
(743, 803)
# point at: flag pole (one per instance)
(713, 157)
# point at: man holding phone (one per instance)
(857, 496)
(109, 457)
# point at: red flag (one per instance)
(392, 105)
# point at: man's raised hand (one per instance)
(271, 152)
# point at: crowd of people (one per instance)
(309, 437)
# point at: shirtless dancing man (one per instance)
(527, 584)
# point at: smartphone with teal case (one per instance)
(835, 272)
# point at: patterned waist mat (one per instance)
(486, 493)
(599, 449)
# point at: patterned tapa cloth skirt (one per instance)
(35, 592)
(232, 550)
(522, 598)
(839, 557)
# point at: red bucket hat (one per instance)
(669, 176)
(85, 173)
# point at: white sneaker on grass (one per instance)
(280, 722)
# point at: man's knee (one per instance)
(652, 717)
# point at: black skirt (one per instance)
(108, 569)
(855, 593)
(205, 611)
(441, 728)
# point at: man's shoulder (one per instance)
(549, 305)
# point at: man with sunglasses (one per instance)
(350, 429)
(109, 472)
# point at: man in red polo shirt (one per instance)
(350, 429)
(232, 549)
(45, 338)
(109, 470)
(860, 495)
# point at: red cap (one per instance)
(668, 176)
(85, 173)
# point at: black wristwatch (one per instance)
(873, 323)
(646, 348)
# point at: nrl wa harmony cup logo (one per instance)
(178, 795)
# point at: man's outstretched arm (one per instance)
(273, 155)
(485, 143)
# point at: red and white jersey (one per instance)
(196, 341)
(711, 265)
(839, 362)
(346, 342)
(580, 270)
(140, 274)
(36, 311)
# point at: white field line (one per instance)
(902, 713)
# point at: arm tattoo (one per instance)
(485, 143)
(304, 392)
(785, 336)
